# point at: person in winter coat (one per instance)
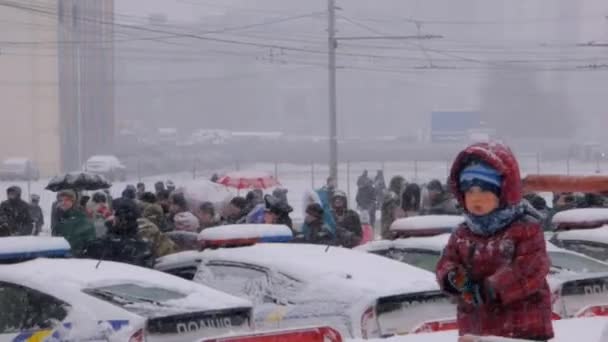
(73, 224)
(364, 179)
(440, 201)
(36, 214)
(348, 225)
(170, 186)
(391, 204)
(281, 195)
(206, 216)
(141, 190)
(159, 187)
(235, 212)
(186, 222)
(122, 243)
(147, 230)
(310, 197)
(314, 229)
(277, 211)
(366, 197)
(55, 213)
(15, 216)
(410, 200)
(379, 186)
(496, 263)
(99, 212)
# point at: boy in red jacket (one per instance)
(496, 263)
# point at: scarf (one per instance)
(494, 222)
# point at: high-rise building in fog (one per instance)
(86, 69)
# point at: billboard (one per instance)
(454, 126)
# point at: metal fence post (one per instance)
(415, 170)
(276, 170)
(348, 178)
(312, 174)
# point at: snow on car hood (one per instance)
(376, 275)
(64, 277)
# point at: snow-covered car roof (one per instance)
(581, 215)
(104, 159)
(374, 273)
(592, 235)
(32, 246)
(449, 222)
(64, 277)
(433, 243)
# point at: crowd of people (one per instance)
(142, 225)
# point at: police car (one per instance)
(582, 230)
(577, 280)
(295, 285)
(44, 295)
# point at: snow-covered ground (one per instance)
(300, 178)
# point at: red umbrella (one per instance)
(248, 180)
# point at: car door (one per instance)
(28, 315)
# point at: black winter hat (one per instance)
(126, 209)
(435, 185)
(99, 197)
(177, 198)
(315, 209)
(14, 190)
(148, 197)
(129, 193)
(239, 202)
(276, 205)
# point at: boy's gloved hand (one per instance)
(471, 292)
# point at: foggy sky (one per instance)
(266, 89)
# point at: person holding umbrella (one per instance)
(73, 224)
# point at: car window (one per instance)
(131, 294)
(424, 259)
(27, 309)
(187, 273)
(240, 280)
(592, 249)
(576, 263)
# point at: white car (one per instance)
(108, 166)
(79, 299)
(19, 169)
(295, 285)
(576, 280)
(582, 230)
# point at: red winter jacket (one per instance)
(514, 262)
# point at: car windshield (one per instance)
(576, 263)
(424, 259)
(128, 294)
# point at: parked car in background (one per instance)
(19, 169)
(108, 166)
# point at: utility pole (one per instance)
(333, 125)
